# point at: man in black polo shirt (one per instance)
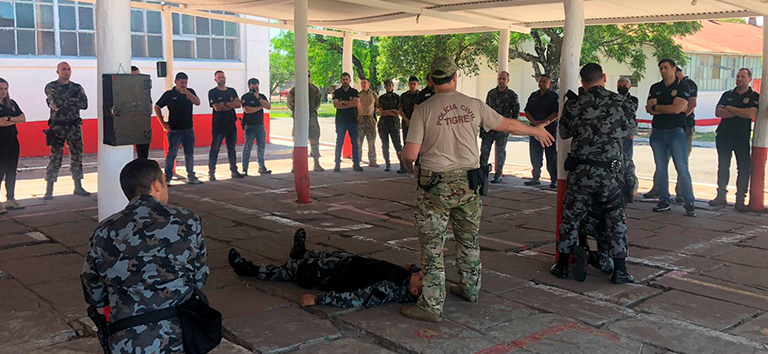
(541, 109)
(346, 99)
(224, 100)
(426, 93)
(180, 101)
(737, 108)
(254, 104)
(667, 103)
(408, 103)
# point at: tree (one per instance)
(280, 69)
(623, 44)
(401, 57)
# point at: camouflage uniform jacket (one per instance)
(597, 121)
(68, 99)
(146, 257)
(504, 102)
(380, 293)
(314, 100)
(387, 101)
(407, 103)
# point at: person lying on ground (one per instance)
(350, 280)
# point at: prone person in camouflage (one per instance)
(597, 121)
(444, 131)
(314, 125)
(504, 101)
(65, 99)
(352, 280)
(389, 125)
(147, 257)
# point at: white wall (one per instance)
(28, 76)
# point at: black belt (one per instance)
(613, 165)
(143, 319)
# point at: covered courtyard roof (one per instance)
(406, 17)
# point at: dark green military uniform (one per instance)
(148, 256)
(389, 127)
(407, 103)
(507, 104)
(65, 126)
(314, 125)
(597, 121)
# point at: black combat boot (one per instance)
(620, 275)
(79, 189)
(240, 265)
(560, 269)
(740, 206)
(719, 200)
(337, 168)
(299, 244)
(48, 191)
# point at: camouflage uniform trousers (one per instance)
(488, 139)
(592, 225)
(314, 136)
(367, 130)
(599, 190)
(450, 200)
(313, 270)
(161, 337)
(73, 137)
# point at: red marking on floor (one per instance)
(427, 333)
(543, 334)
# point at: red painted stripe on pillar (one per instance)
(301, 174)
(560, 198)
(757, 189)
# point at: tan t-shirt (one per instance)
(446, 127)
(368, 103)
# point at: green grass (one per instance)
(280, 110)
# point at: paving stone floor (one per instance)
(703, 282)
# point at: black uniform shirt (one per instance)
(693, 89)
(256, 118)
(179, 108)
(424, 95)
(542, 106)
(737, 126)
(14, 111)
(223, 120)
(346, 115)
(665, 95)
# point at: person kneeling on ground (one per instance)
(352, 280)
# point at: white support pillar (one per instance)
(760, 139)
(301, 112)
(347, 57)
(573, 38)
(168, 45)
(504, 50)
(113, 43)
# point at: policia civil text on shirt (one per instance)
(737, 108)
(597, 122)
(444, 130)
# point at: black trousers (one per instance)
(142, 150)
(728, 144)
(9, 161)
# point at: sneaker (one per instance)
(12, 204)
(401, 171)
(416, 313)
(580, 267)
(496, 179)
(460, 292)
(264, 171)
(553, 185)
(718, 201)
(533, 182)
(192, 180)
(236, 174)
(212, 178)
(299, 244)
(560, 272)
(690, 210)
(373, 164)
(679, 200)
(358, 168)
(387, 168)
(662, 206)
(318, 168)
(622, 277)
(653, 193)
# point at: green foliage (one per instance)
(734, 20)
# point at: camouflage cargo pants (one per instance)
(367, 130)
(592, 225)
(488, 139)
(73, 137)
(314, 136)
(311, 271)
(450, 201)
(597, 190)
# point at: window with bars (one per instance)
(203, 38)
(27, 27)
(146, 34)
(77, 28)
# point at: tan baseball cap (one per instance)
(442, 67)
